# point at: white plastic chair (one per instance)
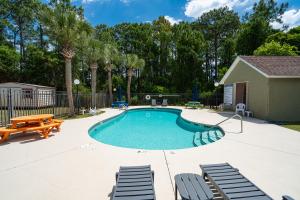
(240, 107)
(93, 111)
(153, 102)
(165, 102)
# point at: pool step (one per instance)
(206, 137)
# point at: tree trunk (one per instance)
(21, 49)
(216, 57)
(128, 85)
(41, 31)
(207, 67)
(110, 86)
(68, 78)
(94, 83)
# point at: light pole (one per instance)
(77, 82)
(115, 89)
(216, 85)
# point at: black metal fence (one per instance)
(15, 102)
(178, 99)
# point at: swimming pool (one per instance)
(154, 129)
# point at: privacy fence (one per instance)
(14, 103)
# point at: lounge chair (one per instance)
(287, 198)
(231, 184)
(165, 102)
(153, 102)
(136, 182)
(119, 104)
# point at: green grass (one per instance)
(293, 126)
(60, 112)
(80, 116)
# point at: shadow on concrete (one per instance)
(110, 195)
(246, 119)
(24, 138)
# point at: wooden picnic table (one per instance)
(42, 124)
(39, 119)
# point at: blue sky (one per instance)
(112, 12)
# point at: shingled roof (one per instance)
(281, 66)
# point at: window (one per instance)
(27, 93)
(228, 91)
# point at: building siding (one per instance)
(284, 99)
(257, 88)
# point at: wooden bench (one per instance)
(44, 130)
(58, 122)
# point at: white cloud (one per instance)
(126, 1)
(195, 8)
(290, 18)
(172, 20)
(91, 1)
(104, 1)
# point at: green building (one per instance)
(269, 86)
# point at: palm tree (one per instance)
(110, 57)
(64, 25)
(94, 52)
(132, 62)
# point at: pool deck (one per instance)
(71, 165)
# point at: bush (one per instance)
(160, 89)
(206, 94)
(134, 100)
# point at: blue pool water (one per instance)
(157, 129)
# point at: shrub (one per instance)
(160, 89)
(134, 100)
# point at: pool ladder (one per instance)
(236, 115)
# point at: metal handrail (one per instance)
(236, 115)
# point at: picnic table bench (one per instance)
(42, 124)
(193, 104)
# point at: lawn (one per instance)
(81, 116)
(60, 112)
(293, 126)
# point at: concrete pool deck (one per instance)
(71, 165)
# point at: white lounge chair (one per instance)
(153, 102)
(165, 102)
(240, 107)
(93, 111)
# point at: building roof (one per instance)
(275, 65)
(26, 84)
(269, 66)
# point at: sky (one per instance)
(113, 12)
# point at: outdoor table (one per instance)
(192, 187)
(39, 119)
(42, 124)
